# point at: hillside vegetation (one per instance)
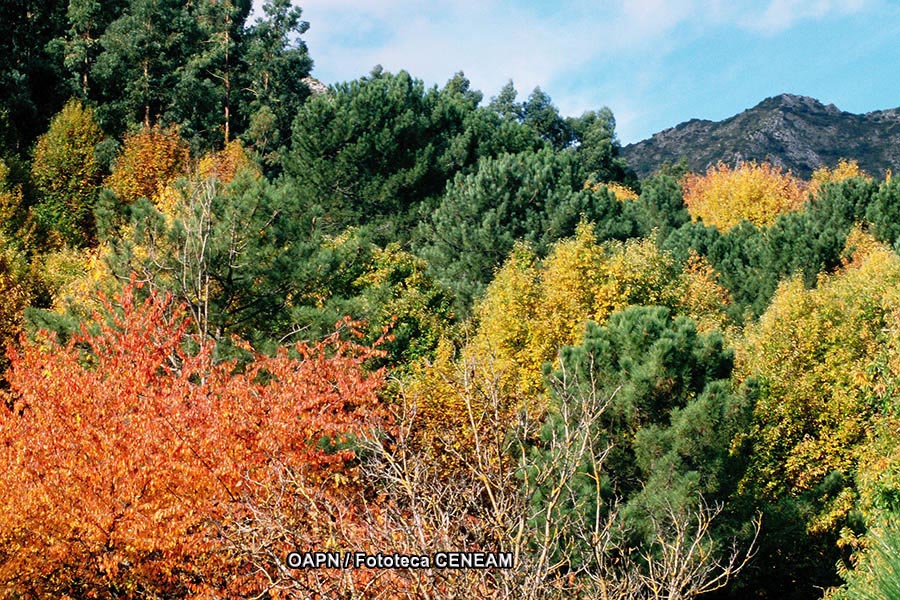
(248, 315)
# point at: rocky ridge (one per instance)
(794, 132)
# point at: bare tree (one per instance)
(686, 563)
(410, 505)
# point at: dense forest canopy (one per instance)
(248, 314)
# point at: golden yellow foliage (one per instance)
(220, 168)
(76, 278)
(723, 197)
(814, 353)
(701, 296)
(64, 163)
(635, 273)
(224, 164)
(530, 311)
(567, 298)
(845, 169)
(10, 197)
(452, 401)
(505, 318)
(621, 192)
(15, 296)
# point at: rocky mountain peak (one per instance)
(796, 132)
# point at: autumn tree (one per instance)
(844, 169)
(464, 488)
(752, 260)
(13, 210)
(755, 192)
(165, 451)
(815, 354)
(150, 159)
(16, 291)
(532, 308)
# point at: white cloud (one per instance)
(491, 41)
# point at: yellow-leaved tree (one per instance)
(756, 192)
(621, 192)
(816, 355)
(15, 295)
(67, 176)
(531, 310)
(845, 169)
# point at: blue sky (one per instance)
(655, 63)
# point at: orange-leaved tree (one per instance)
(125, 456)
(150, 159)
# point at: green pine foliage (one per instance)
(538, 197)
(663, 426)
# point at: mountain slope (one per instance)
(795, 132)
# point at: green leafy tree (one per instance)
(540, 114)
(80, 46)
(205, 101)
(239, 255)
(597, 148)
(505, 106)
(884, 212)
(137, 70)
(379, 146)
(67, 175)
(660, 207)
(31, 86)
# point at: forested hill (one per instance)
(250, 322)
(795, 132)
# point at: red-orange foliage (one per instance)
(124, 455)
